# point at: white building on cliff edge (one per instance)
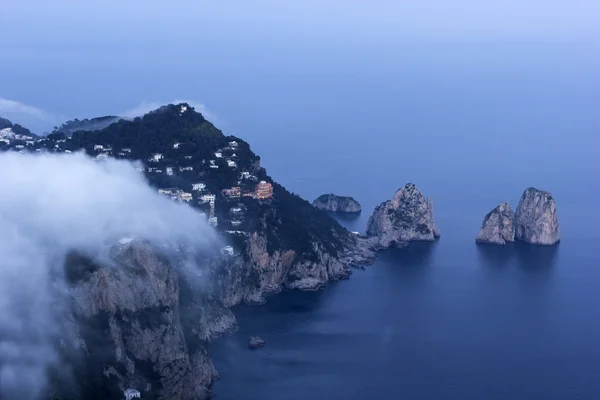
(131, 394)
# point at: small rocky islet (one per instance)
(338, 204)
(407, 217)
(534, 222)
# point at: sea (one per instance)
(450, 319)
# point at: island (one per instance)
(536, 219)
(407, 217)
(498, 226)
(337, 204)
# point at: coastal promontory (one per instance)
(498, 227)
(536, 220)
(407, 217)
(341, 204)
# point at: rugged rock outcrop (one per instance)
(536, 220)
(256, 342)
(497, 226)
(407, 217)
(333, 203)
(132, 317)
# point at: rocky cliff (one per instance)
(536, 220)
(137, 327)
(497, 226)
(407, 217)
(333, 203)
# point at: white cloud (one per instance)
(10, 108)
(53, 204)
(145, 107)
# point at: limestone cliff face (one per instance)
(246, 279)
(407, 217)
(497, 226)
(333, 203)
(130, 317)
(536, 220)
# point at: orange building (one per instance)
(264, 190)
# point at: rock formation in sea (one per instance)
(498, 226)
(407, 217)
(256, 342)
(536, 220)
(333, 203)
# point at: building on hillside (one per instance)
(131, 394)
(207, 198)
(101, 156)
(98, 147)
(176, 145)
(169, 171)
(156, 157)
(126, 150)
(181, 169)
(233, 143)
(218, 154)
(198, 186)
(185, 196)
(67, 151)
(140, 169)
(236, 222)
(234, 192)
(166, 192)
(188, 157)
(213, 221)
(227, 251)
(264, 190)
(231, 164)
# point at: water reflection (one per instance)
(494, 255)
(536, 258)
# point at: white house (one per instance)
(156, 157)
(169, 171)
(245, 175)
(207, 197)
(126, 150)
(20, 146)
(98, 147)
(214, 166)
(218, 154)
(188, 157)
(227, 250)
(29, 142)
(198, 186)
(68, 151)
(233, 144)
(236, 209)
(176, 145)
(236, 223)
(231, 164)
(185, 196)
(131, 394)
(233, 155)
(186, 169)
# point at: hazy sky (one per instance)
(87, 58)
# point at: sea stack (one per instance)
(498, 226)
(536, 221)
(341, 204)
(407, 217)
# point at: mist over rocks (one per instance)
(51, 206)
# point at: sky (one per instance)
(256, 67)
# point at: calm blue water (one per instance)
(451, 320)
